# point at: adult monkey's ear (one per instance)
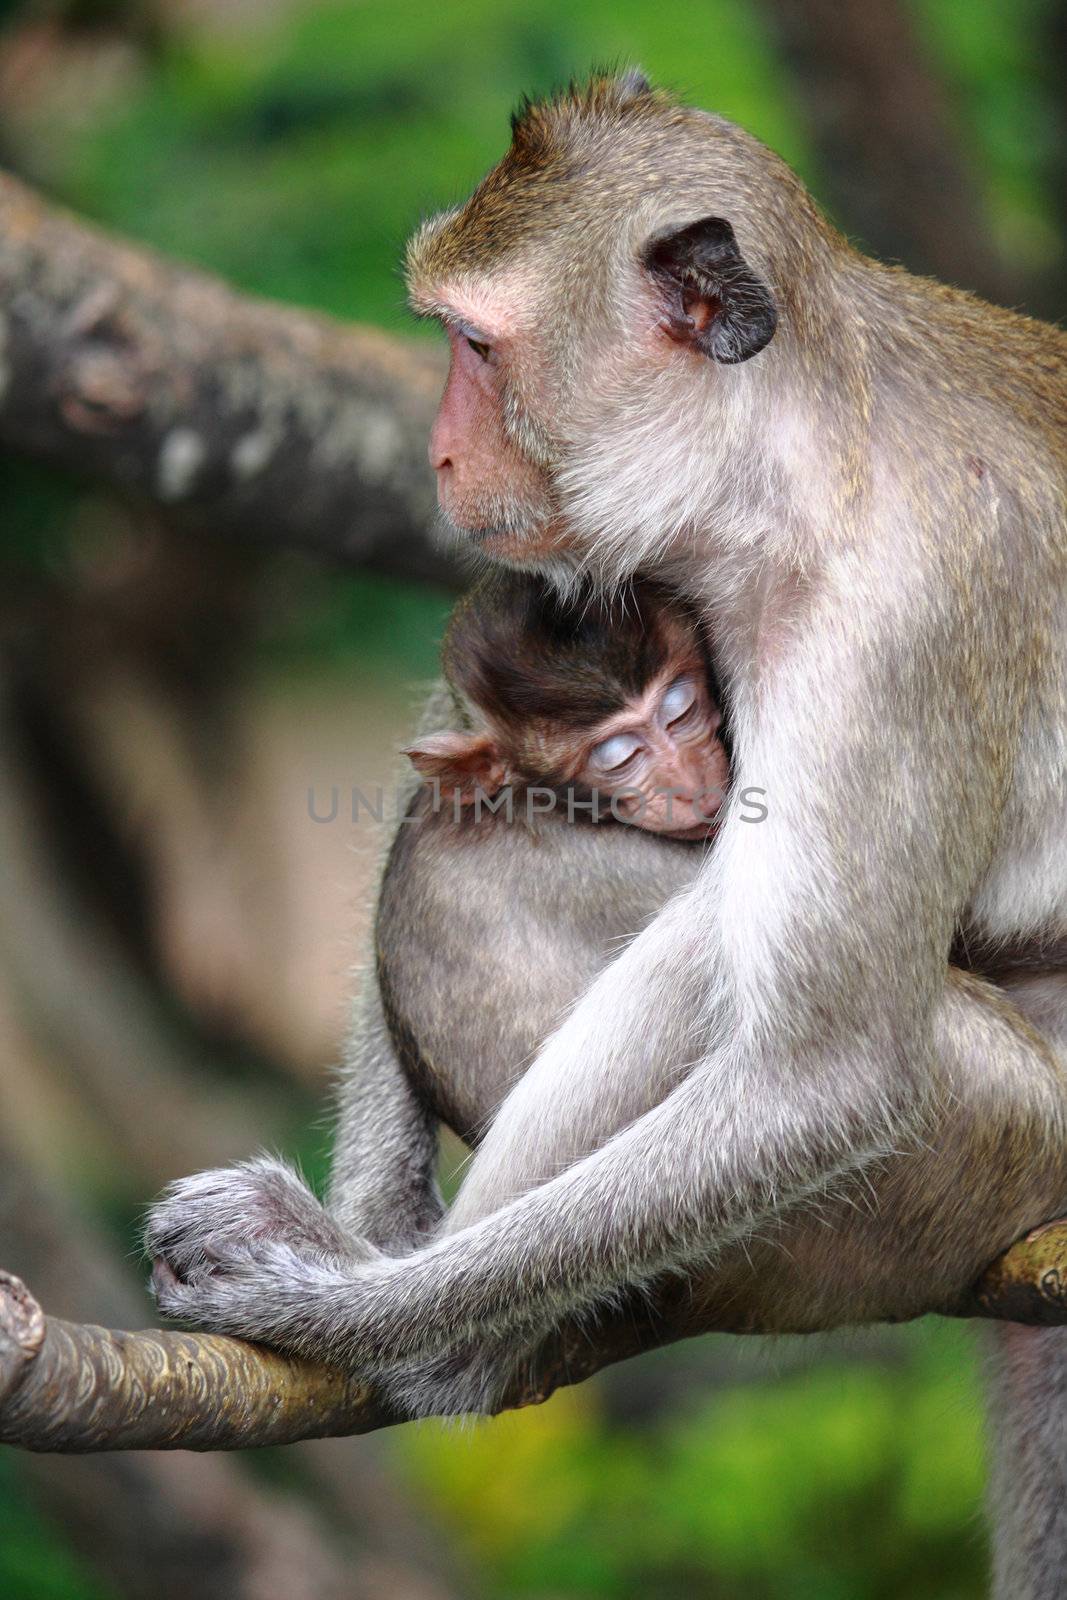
(715, 302)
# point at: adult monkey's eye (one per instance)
(478, 346)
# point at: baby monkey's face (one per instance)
(657, 762)
(660, 759)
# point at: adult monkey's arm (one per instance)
(743, 1132)
(73, 1387)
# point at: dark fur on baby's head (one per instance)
(522, 654)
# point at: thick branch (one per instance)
(73, 1388)
(1028, 1283)
(233, 414)
(69, 1386)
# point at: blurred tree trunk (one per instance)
(1054, 56)
(233, 429)
(893, 164)
(228, 413)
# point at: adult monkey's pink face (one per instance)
(487, 483)
(576, 311)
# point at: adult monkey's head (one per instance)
(609, 293)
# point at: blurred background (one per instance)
(178, 933)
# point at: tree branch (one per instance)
(230, 413)
(1028, 1283)
(71, 1387)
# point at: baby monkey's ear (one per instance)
(462, 763)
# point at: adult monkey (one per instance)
(873, 516)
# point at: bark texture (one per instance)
(72, 1387)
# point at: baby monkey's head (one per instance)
(607, 695)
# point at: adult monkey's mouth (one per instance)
(539, 544)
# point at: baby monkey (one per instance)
(601, 700)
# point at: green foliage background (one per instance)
(294, 156)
